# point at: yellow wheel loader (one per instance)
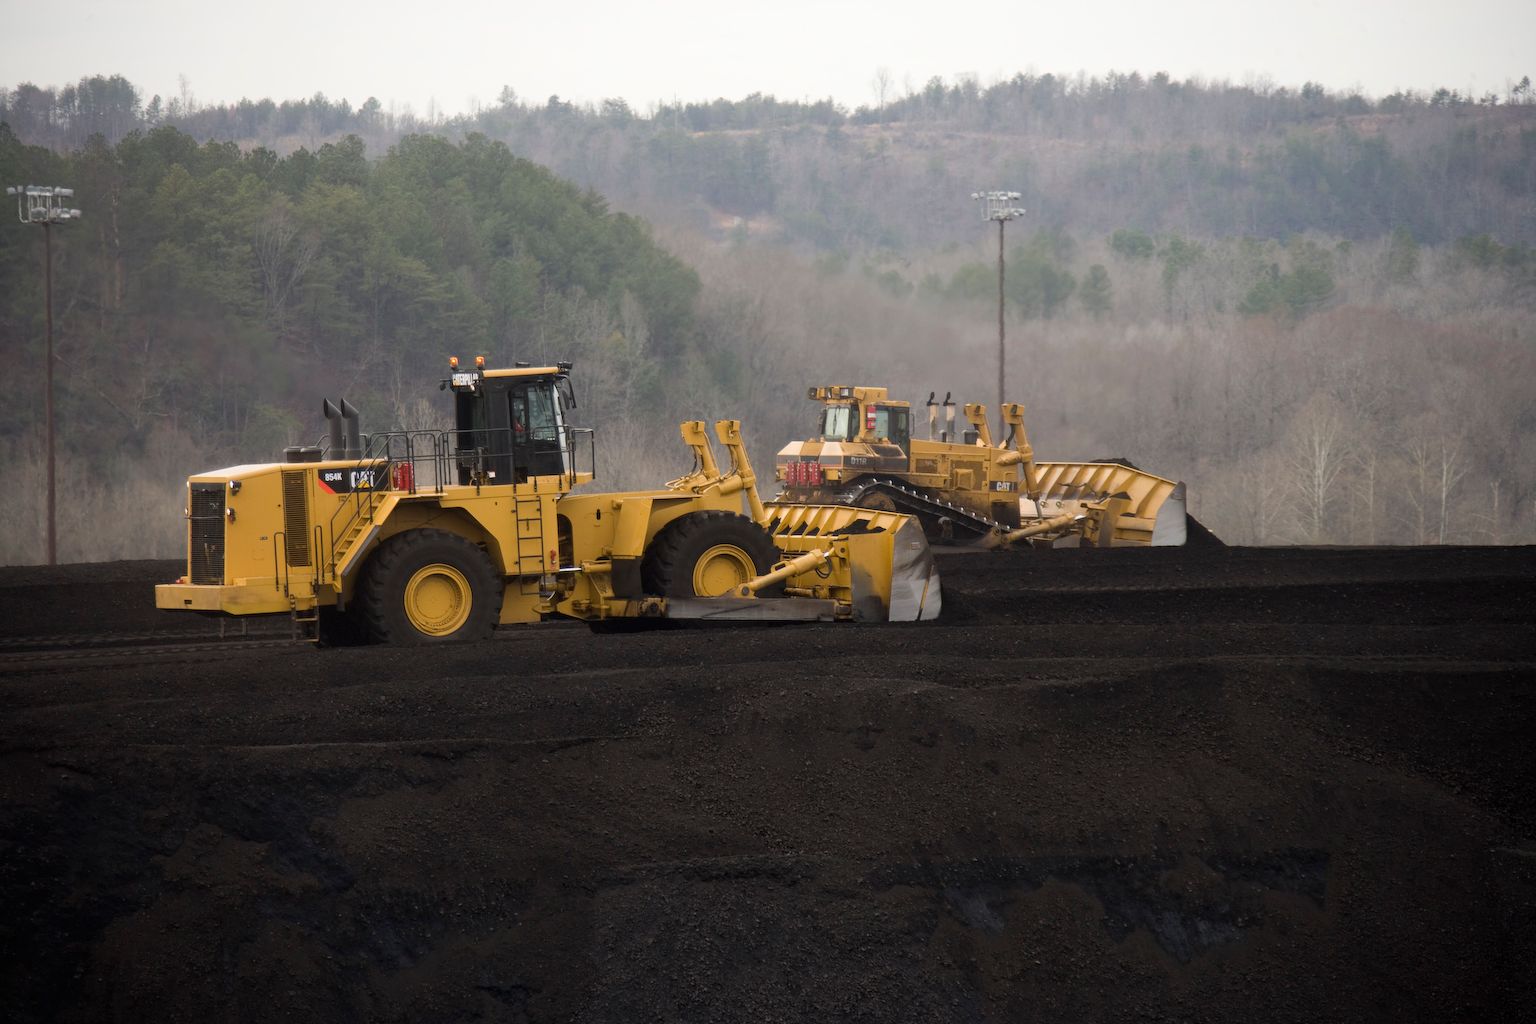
(966, 489)
(421, 536)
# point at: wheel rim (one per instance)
(722, 569)
(437, 599)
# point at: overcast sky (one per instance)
(463, 51)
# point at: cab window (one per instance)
(837, 423)
(541, 413)
(892, 424)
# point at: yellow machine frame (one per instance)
(288, 543)
(997, 490)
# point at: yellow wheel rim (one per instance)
(721, 569)
(437, 599)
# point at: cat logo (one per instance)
(345, 481)
(1005, 485)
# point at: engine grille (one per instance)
(295, 519)
(207, 535)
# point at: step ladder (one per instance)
(306, 621)
(528, 513)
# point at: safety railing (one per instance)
(428, 461)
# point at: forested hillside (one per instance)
(213, 295)
(1316, 308)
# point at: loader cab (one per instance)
(511, 424)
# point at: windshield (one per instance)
(837, 423)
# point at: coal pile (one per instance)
(1203, 784)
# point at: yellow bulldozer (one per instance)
(967, 489)
(436, 536)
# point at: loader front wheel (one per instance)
(428, 587)
(707, 554)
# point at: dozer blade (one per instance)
(878, 567)
(1155, 514)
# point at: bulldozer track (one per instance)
(919, 503)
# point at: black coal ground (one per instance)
(1195, 785)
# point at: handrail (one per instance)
(279, 579)
(449, 452)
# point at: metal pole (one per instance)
(1000, 348)
(41, 205)
(53, 548)
(998, 207)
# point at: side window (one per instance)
(892, 424)
(541, 413)
(882, 421)
(519, 417)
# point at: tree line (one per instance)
(1321, 321)
(1093, 152)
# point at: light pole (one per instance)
(42, 205)
(999, 206)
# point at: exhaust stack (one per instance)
(949, 417)
(354, 430)
(333, 417)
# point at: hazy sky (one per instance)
(459, 52)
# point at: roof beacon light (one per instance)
(479, 362)
(453, 362)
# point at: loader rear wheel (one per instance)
(428, 587)
(706, 554)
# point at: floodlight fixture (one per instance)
(998, 205)
(41, 204)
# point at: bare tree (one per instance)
(284, 255)
(882, 84)
(1366, 462)
(1317, 455)
(1495, 515)
(1436, 464)
(1252, 498)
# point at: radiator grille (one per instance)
(295, 519)
(206, 562)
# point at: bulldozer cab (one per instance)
(511, 424)
(863, 414)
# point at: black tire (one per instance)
(670, 563)
(430, 587)
(342, 629)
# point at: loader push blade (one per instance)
(880, 566)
